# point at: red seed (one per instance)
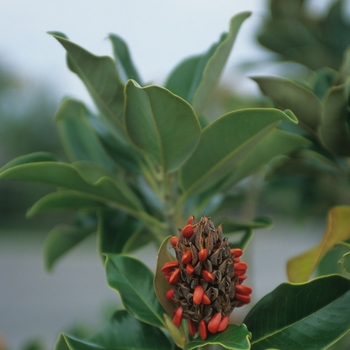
(189, 220)
(178, 317)
(205, 300)
(170, 294)
(169, 266)
(186, 258)
(246, 290)
(223, 324)
(207, 276)
(245, 299)
(239, 273)
(189, 269)
(236, 252)
(191, 327)
(174, 240)
(241, 278)
(202, 329)
(187, 231)
(167, 278)
(214, 323)
(240, 266)
(203, 254)
(198, 295)
(174, 277)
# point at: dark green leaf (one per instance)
(225, 144)
(61, 239)
(288, 95)
(345, 262)
(124, 332)
(235, 337)
(125, 65)
(120, 233)
(196, 77)
(308, 316)
(100, 76)
(161, 124)
(333, 130)
(134, 282)
(78, 137)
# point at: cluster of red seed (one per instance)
(207, 278)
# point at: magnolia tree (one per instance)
(145, 168)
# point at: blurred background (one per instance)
(34, 305)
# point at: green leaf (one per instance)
(64, 200)
(123, 332)
(345, 262)
(196, 77)
(235, 337)
(309, 316)
(161, 286)
(300, 268)
(120, 233)
(278, 142)
(125, 65)
(30, 158)
(224, 144)
(61, 239)
(333, 130)
(66, 176)
(161, 124)
(216, 62)
(134, 282)
(286, 94)
(199, 74)
(100, 76)
(78, 137)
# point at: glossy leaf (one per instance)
(310, 316)
(334, 130)
(78, 137)
(62, 239)
(278, 142)
(134, 282)
(225, 144)
(64, 200)
(288, 95)
(161, 124)
(235, 337)
(99, 75)
(345, 262)
(161, 286)
(125, 65)
(120, 233)
(123, 332)
(300, 268)
(196, 77)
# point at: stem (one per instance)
(169, 200)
